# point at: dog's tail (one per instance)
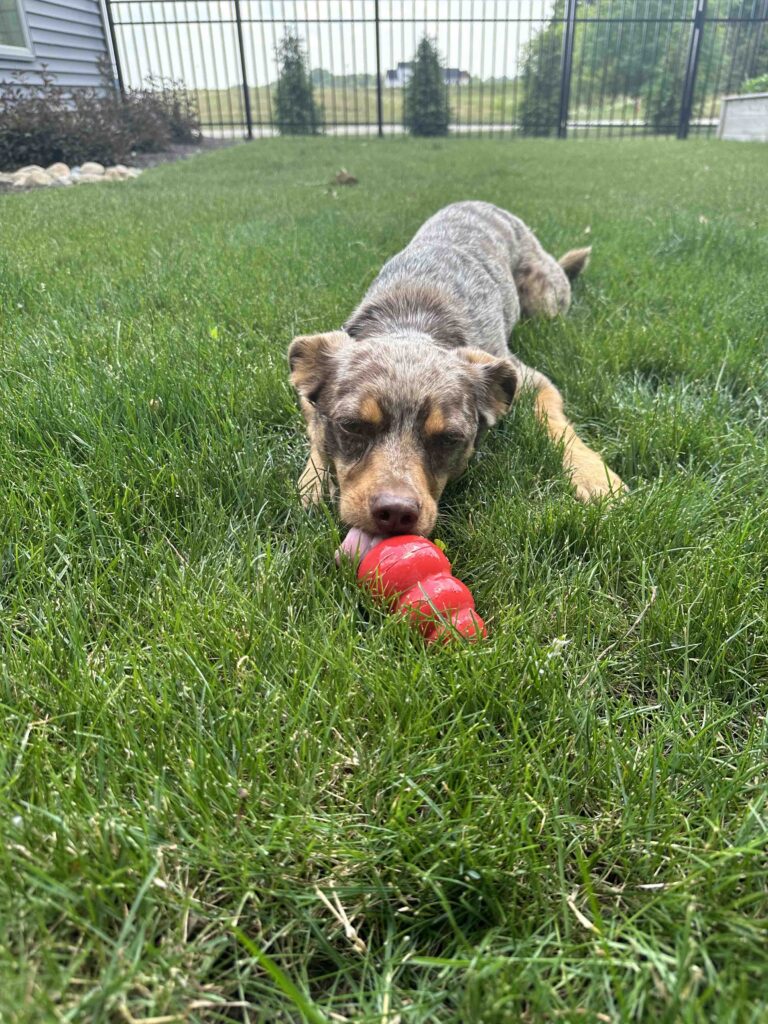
(575, 261)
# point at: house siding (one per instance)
(68, 37)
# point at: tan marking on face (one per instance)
(435, 422)
(361, 482)
(370, 411)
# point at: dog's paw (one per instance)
(597, 483)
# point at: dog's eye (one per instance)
(448, 441)
(354, 429)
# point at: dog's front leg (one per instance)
(316, 470)
(312, 478)
(590, 476)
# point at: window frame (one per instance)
(19, 52)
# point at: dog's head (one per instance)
(396, 417)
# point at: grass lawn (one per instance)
(216, 756)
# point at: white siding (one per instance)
(68, 36)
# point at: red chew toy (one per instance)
(413, 576)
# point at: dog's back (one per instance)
(464, 279)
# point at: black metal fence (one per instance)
(536, 67)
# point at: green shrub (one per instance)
(759, 84)
(426, 110)
(41, 123)
(541, 79)
(295, 107)
(665, 98)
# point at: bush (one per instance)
(759, 84)
(540, 103)
(295, 107)
(41, 123)
(665, 98)
(426, 110)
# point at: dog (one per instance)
(397, 400)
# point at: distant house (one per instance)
(453, 76)
(397, 77)
(67, 37)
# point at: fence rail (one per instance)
(536, 67)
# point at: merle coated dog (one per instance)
(395, 401)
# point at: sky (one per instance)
(196, 40)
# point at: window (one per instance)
(14, 40)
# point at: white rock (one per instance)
(91, 167)
(86, 179)
(114, 174)
(6, 177)
(39, 178)
(134, 172)
(58, 170)
(24, 171)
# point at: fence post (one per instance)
(566, 67)
(379, 109)
(246, 95)
(115, 53)
(686, 105)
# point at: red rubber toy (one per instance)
(413, 576)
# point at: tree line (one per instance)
(644, 61)
(634, 51)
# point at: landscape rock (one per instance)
(24, 171)
(60, 175)
(37, 177)
(58, 170)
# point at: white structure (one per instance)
(397, 77)
(744, 118)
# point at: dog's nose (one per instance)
(394, 513)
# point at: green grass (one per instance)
(471, 104)
(213, 749)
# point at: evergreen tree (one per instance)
(296, 112)
(426, 110)
(540, 103)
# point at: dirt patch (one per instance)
(179, 152)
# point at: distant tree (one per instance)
(611, 62)
(540, 103)
(320, 76)
(426, 109)
(295, 107)
(747, 45)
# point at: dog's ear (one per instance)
(575, 261)
(496, 381)
(310, 357)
